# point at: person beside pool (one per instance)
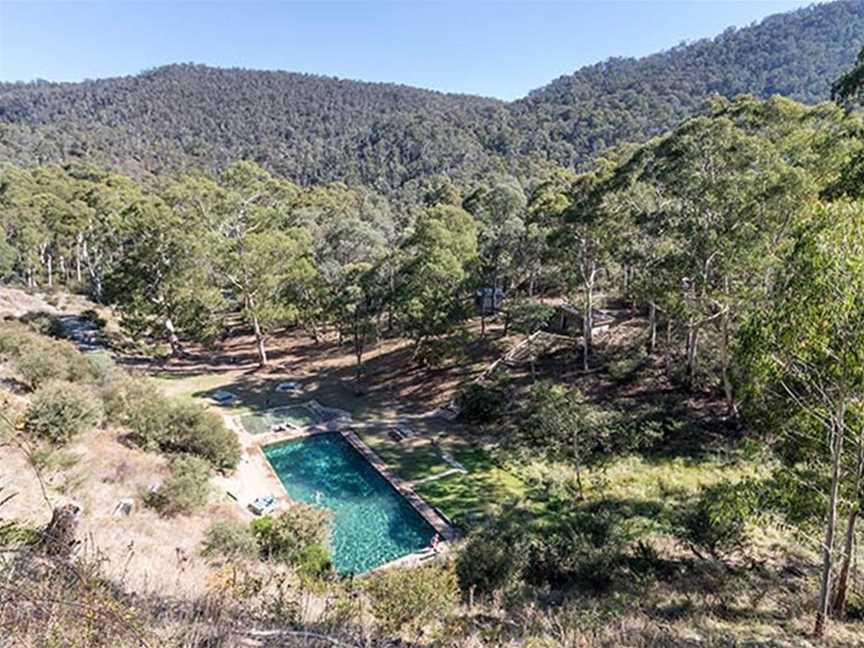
(436, 541)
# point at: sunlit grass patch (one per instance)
(670, 478)
(468, 497)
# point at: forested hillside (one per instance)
(314, 129)
(632, 393)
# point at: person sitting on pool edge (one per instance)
(436, 541)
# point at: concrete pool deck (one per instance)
(255, 477)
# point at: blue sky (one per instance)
(498, 48)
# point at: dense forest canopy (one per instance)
(313, 129)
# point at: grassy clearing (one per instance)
(466, 498)
(410, 460)
(665, 478)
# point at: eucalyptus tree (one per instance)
(25, 229)
(547, 202)
(258, 254)
(52, 206)
(7, 252)
(849, 87)
(106, 198)
(359, 301)
(438, 256)
(585, 241)
(440, 190)
(727, 201)
(500, 212)
(163, 283)
(348, 227)
(645, 246)
(802, 363)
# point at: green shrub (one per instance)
(15, 534)
(195, 430)
(229, 539)
(39, 360)
(576, 546)
(137, 404)
(61, 410)
(624, 367)
(43, 323)
(36, 364)
(495, 555)
(102, 371)
(718, 521)
(583, 546)
(157, 422)
(795, 492)
(409, 600)
(855, 607)
(13, 336)
(314, 561)
(287, 536)
(481, 403)
(489, 562)
(564, 424)
(184, 490)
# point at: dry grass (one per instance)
(15, 302)
(146, 550)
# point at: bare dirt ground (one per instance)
(15, 302)
(144, 550)
(391, 379)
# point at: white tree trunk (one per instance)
(838, 606)
(724, 364)
(652, 327)
(588, 318)
(692, 352)
(78, 244)
(831, 522)
(259, 342)
(173, 340)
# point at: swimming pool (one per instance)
(294, 416)
(372, 523)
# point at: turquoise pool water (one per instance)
(372, 523)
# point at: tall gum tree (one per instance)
(585, 241)
(802, 364)
(500, 210)
(728, 200)
(163, 284)
(436, 263)
(257, 251)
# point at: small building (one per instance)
(488, 300)
(567, 320)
